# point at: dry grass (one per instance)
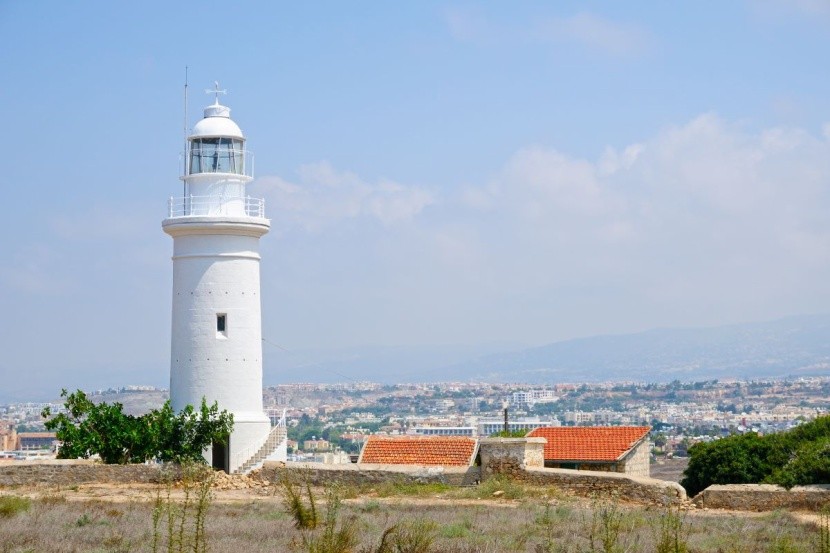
(533, 525)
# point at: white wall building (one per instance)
(531, 397)
(216, 341)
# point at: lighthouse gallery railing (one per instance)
(215, 205)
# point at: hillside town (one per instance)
(330, 423)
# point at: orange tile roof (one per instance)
(589, 443)
(419, 450)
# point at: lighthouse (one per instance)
(216, 339)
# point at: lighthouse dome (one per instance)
(217, 122)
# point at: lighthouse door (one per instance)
(221, 455)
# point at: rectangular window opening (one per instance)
(222, 323)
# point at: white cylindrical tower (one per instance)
(216, 342)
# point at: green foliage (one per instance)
(83, 520)
(606, 527)
(809, 465)
(800, 456)
(303, 511)
(184, 520)
(509, 434)
(743, 459)
(12, 505)
(336, 536)
(414, 537)
(671, 531)
(104, 429)
(824, 531)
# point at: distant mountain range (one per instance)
(793, 346)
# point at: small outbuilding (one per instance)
(603, 448)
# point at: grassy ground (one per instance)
(454, 520)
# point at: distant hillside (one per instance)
(792, 346)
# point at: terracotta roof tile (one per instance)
(419, 450)
(589, 443)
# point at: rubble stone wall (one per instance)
(70, 473)
(368, 474)
(638, 461)
(587, 483)
(763, 497)
(510, 455)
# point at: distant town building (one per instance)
(30, 441)
(8, 436)
(532, 397)
(489, 427)
(316, 445)
(444, 430)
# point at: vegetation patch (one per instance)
(800, 456)
(103, 429)
(11, 505)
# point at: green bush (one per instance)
(104, 429)
(800, 456)
(11, 505)
(809, 465)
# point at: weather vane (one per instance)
(215, 90)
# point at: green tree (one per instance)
(809, 465)
(104, 429)
(800, 456)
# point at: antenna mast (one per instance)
(184, 152)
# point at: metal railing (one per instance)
(185, 206)
(239, 459)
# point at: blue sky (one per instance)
(436, 172)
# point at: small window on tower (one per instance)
(221, 324)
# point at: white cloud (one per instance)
(584, 29)
(703, 223)
(325, 196)
(594, 32)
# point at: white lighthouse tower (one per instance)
(216, 350)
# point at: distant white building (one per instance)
(531, 397)
(445, 430)
(487, 427)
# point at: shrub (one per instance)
(671, 531)
(414, 537)
(104, 429)
(744, 459)
(809, 465)
(12, 505)
(184, 521)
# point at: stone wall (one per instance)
(637, 463)
(523, 459)
(510, 456)
(69, 473)
(368, 474)
(587, 483)
(763, 497)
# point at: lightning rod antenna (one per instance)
(184, 152)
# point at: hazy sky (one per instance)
(435, 172)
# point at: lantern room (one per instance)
(217, 144)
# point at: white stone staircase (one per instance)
(273, 448)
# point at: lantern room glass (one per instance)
(217, 155)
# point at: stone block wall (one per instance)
(510, 456)
(585, 483)
(638, 461)
(320, 474)
(763, 497)
(70, 473)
